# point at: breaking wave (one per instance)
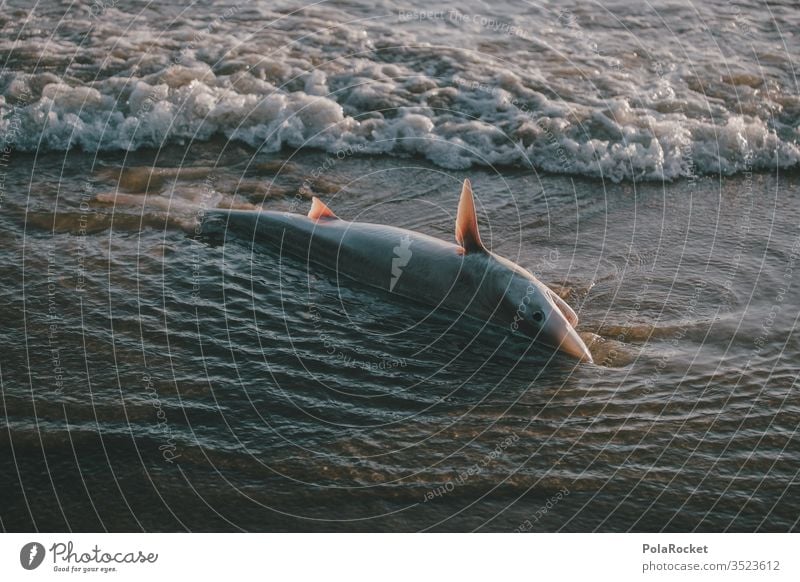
(449, 87)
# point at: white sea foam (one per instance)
(317, 79)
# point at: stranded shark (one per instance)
(464, 277)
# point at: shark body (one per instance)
(464, 277)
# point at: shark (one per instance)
(462, 277)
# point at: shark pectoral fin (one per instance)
(319, 210)
(564, 308)
(467, 234)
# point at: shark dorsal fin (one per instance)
(467, 234)
(319, 210)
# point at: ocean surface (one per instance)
(642, 160)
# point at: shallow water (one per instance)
(292, 401)
(159, 377)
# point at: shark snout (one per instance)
(558, 332)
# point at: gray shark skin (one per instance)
(465, 278)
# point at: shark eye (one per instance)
(538, 316)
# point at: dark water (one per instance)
(155, 379)
(640, 160)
